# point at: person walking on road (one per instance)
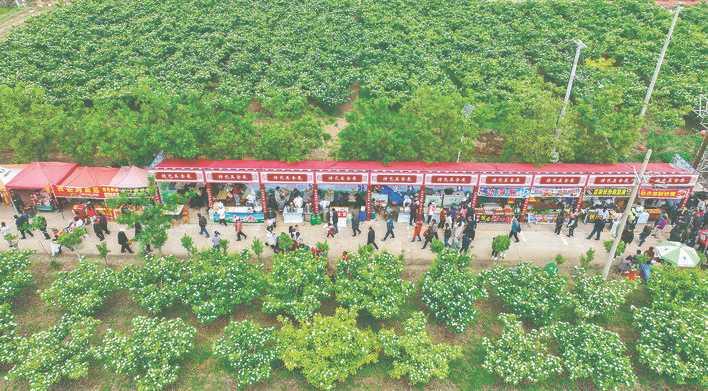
(447, 233)
(355, 224)
(417, 229)
(572, 224)
(389, 228)
(371, 238)
(22, 222)
(559, 222)
(430, 233)
(238, 226)
(515, 229)
(222, 216)
(466, 240)
(202, 225)
(124, 243)
(216, 240)
(599, 224)
(98, 230)
(335, 220)
(644, 234)
(103, 220)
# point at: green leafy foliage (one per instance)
(151, 354)
(214, 282)
(593, 296)
(327, 349)
(414, 354)
(500, 243)
(591, 352)
(678, 287)
(528, 291)
(297, 284)
(372, 282)
(672, 341)
(83, 290)
(518, 356)
(8, 335)
(450, 290)
(62, 352)
(72, 240)
(155, 285)
(188, 244)
(247, 351)
(14, 273)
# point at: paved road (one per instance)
(538, 243)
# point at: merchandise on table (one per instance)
(246, 214)
(546, 203)
(500, 204)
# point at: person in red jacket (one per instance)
(417, 229)
(238, 226)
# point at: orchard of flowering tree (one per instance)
(211, 318)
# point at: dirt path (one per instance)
(33, 9)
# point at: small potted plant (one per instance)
(500, 244)
(11, 240)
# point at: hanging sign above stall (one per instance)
(503, 192)
(397, 179)
(662, 193)
(610, 180)
(556, 192)
(672, 180)
(286, 177)
(450, 179)
(559, 180)
(178, 176)
(231, 177)
(608, 192)
(505, 180)
(342, 178)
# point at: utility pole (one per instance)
(623, 219)
(650, 90)
(555, 156)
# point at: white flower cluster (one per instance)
(593, 296)
(450, 290)
(155, 285)
(247, 350)
(414, 354)
(8, 335)
(297, 284)
(83, 290)
(528, 291)
(372, 282)
(14, 273)
(518, 356)
(151, 354)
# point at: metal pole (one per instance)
(623, 219)
(580, 46)
(650, 90)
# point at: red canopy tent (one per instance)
(86, 182)
(130, 178)
(41, 175)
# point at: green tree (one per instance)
(29, 123)
(83, 290)
(327, 349)
(247, 351)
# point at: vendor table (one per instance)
(246, 213)
(404, 217)
(293, 217)
(542, 218)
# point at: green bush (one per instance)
(327, 349)
(449, 290)
(670, 286)
(14, 273)
(247, 351)
(372, 282)
(155, 285)
(8, 335)
(151, 354)
(414, 354)
(83, 290)
(593, 296)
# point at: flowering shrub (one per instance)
(247, 350)
(414, 354)
(14, 273)
(450, 290)
(83, 290)
(528, 291)
(593, 297)
(518, 356)
(63, 351)
(673, 341)
(155, 285)
(669, 286)
(372, 282)
(150, 356)
(297, 283)
(327, 349)
(213, 283)
(591, 352)
(8, 335)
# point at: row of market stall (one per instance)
(254, 190)
(48, 186)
